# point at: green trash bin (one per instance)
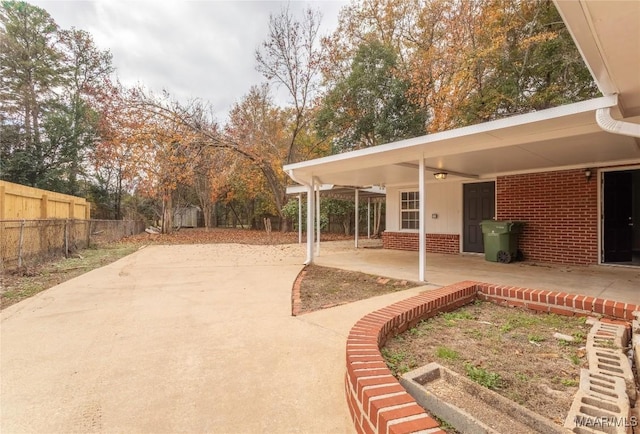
(501, 240)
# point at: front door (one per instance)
(479, 204)
(617, 226)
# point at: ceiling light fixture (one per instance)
(440, 175)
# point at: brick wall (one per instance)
(436, 243)
(377, 402)
(560, 214)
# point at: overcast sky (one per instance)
(191, 48)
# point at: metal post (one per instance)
(66, 238)
(20, 242)
(375, 216)
(299, 218)
(318, 219)
(422, 237)
(310, 225)
(357, 217)
(369, 218)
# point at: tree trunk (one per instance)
(206, 213)
(118, 197)
(167, 214)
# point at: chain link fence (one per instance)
(27, 241)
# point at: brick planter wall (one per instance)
(376, 400)
(436, 243)
(560, 213)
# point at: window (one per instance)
(409, 210)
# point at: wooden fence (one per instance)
(21, 202)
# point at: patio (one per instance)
(611, 282)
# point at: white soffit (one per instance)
(566, 135)
(607, 34)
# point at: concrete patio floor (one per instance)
(612, 282)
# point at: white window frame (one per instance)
(415, 200)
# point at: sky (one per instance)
(192, 48)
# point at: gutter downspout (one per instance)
(614, 126)
(310, 206)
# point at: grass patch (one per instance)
(398, 362)
(535, 338)
(37, 278)
(457, 315)
(483, 377)
(447, 353)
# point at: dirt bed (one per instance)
(509, 350)
(324, 287)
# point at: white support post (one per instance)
(422, 237)
(299, 218)
(310, 225)
(357, 217)
(318, 219)
(368, 218)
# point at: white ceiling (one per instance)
(607, 34)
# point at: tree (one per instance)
(86, 71)
(370, 106)
(533, 63)
(259, 128)
(360, 22)
(290, 57)
(466, 61)
(30, 67)
(47, 75)
(166, 142)
(117, 157)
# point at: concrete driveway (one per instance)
(176, 339)
(200, 338)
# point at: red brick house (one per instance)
(571, 173)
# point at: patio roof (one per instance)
(340, 192)
(559, 137)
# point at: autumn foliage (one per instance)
(392, 69)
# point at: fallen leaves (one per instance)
(225, 236)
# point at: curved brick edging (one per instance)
(560, 303)
(296, 301)
(376, 400)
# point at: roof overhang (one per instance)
(607, 35)
(565, 136)
(340, 192)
